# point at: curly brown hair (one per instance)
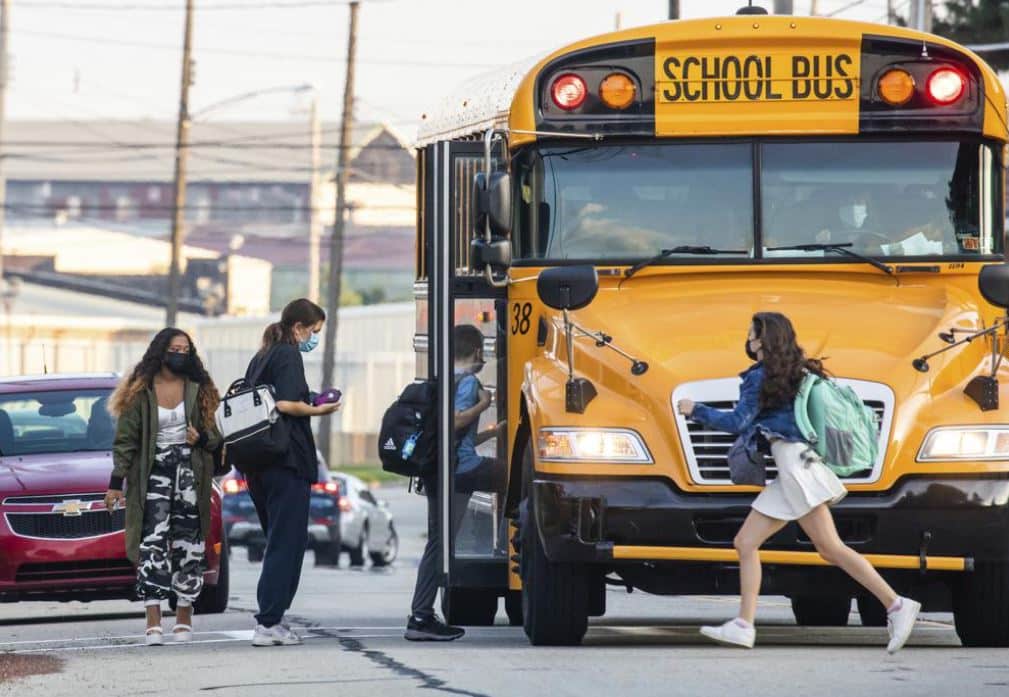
(142, 378)
(785, 363)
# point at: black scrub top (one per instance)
(286, 372)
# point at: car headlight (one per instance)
(965, 443)
(591, 445)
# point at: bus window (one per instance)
(885, 199)
(629, 202)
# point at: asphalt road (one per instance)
(353, 623)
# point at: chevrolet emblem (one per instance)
(71, 507)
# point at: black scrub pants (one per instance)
(282, 499)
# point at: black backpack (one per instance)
(408, 439)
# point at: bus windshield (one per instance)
(882, 199)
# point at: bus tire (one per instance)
(871, 611)
(469, 607)
(555, 596)
(981, 605)
(821, 611)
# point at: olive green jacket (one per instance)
(133, 457)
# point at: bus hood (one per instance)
(869, 331)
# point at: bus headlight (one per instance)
(965, 443)
(591, 445)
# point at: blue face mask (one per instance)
(310, 343)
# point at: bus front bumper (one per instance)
(934, 524)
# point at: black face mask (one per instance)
(750, 353)
(178, 363)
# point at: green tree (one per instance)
(976, 22)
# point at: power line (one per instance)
(249, 53)
(174, 7)
(51, 209)
(224, 145)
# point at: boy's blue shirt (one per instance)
(467, 394)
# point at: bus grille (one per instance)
(710, 448)
(55, 526)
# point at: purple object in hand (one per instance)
(329, 396)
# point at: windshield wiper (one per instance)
(836, 248)
(685, 249)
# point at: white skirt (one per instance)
(802, 484)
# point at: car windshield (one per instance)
(58, 421)
(882, 199)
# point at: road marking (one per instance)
(130, 641)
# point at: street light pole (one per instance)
(314, 217)
(5, 8)
(181, 154)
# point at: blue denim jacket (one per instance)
(747, 420)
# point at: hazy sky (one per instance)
(82, 59)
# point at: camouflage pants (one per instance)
(171, 548)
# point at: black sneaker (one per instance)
(431, 629)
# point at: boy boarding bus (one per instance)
(613, 213)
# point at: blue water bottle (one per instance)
(409, 445)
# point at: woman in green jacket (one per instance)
(165, 440)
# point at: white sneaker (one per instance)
(155, 636)
(900, 623)
(731, 634)
(277, 635)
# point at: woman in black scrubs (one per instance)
(281, 492)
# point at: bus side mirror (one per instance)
(496, 254)
(492, 198)
(993, 282)
(568, 287)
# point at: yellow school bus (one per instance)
(613, 214)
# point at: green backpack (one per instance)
(842, 430)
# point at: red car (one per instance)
(57, 539)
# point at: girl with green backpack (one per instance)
(805, 488)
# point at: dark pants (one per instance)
(429, 571)
(281, 498)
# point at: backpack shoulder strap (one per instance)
(253, 378)
(802, 419)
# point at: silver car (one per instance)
(366, 523)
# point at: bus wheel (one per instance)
(555, 596)
(821, 611)
(513, 607)
(469, 607)
(981, 605)
(871, 611)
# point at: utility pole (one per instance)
(336, 240)
(314, 218)
(783, 7)
(813, 8)
(181, 153)
(5, 8)
(889, 12)
(674, 9)
(920, 15)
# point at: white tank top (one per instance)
(171, 426)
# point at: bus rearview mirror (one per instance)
(993, 282)
(492, 203)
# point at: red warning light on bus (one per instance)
(569, 91)
(945, 86)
